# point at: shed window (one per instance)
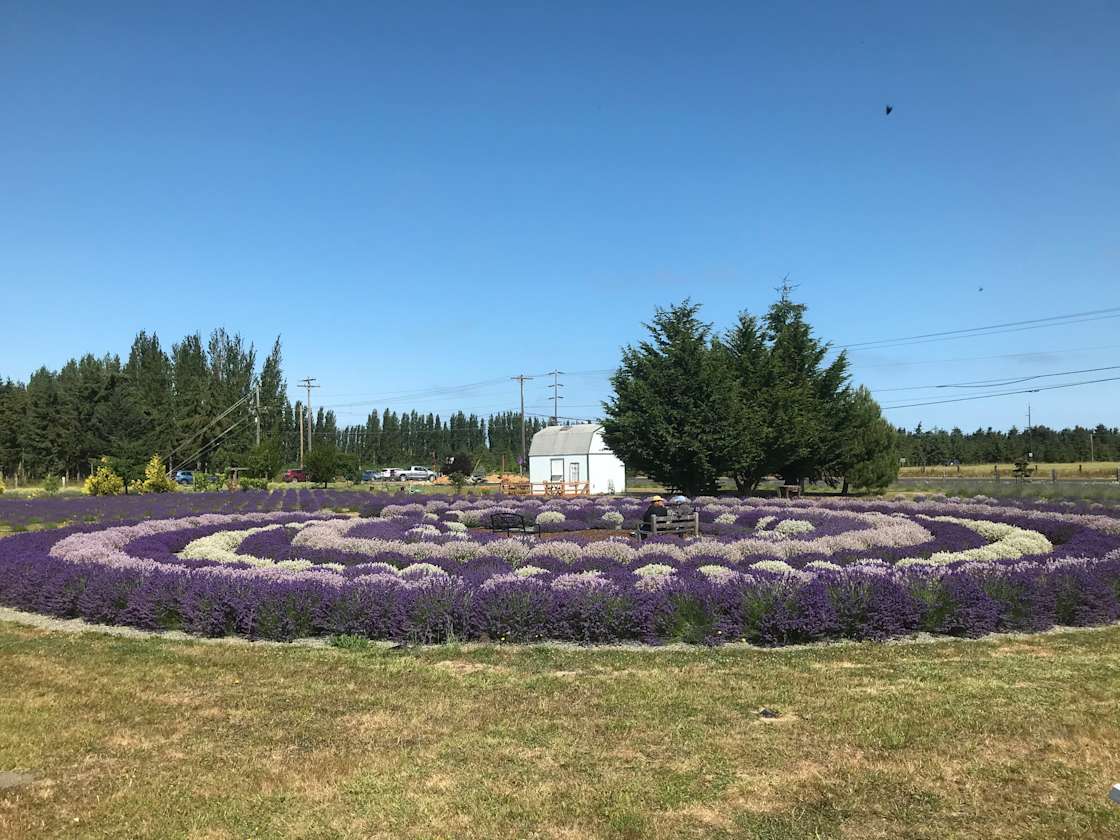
(557, 469)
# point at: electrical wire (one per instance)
(991, 329)
(1004, 393)
(995, 383)
(1034, 354)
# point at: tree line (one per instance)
(691, 405)
(171, 403)
(154, 401)
(933, 447)
(389, 438)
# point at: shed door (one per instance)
(556, 470)
(573, 471)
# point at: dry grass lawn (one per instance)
(1072, 470)
(115, 737)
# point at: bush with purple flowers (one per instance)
(288, 564)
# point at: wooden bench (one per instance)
(511, 523)
(660, 525)
(789, 491)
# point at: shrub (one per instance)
(206, 483)
(156, 479)
(51, 484)
(104, 482)
(254, 483)
(3, 486)
(613, 519)
(550, 517)
(321, 464)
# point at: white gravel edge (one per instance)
(77, 625)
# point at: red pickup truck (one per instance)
(295, 475)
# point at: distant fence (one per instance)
(547, 488)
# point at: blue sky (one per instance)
(427, 194)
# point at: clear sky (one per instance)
(425, 194)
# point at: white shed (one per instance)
(576, 453)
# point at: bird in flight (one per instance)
(888, 109)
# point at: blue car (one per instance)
(369, 475)
(184, 477)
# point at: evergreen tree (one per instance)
(800, 394)
(672, 415)
(867, 455)
(44, 439)
(191, 407)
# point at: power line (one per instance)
(1004, 393)
(212, 443)
(995, 383)
(991, 329)
(1035, 353)
(193, 438)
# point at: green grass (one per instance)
(1006, 737)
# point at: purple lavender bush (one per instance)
(282, 566)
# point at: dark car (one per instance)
(184, 477)
(295, 475)
(369, 475)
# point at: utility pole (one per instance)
(556, 386)
(257, 411)
(306, 383)
(301, 437)
(1092, 450)
(1030, 437)
(521, 379)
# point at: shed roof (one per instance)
(564, 440)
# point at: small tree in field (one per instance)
(868, 452)
(266, 460)
(457, 468)
(156, 479)
(104, 482)
(321, 464)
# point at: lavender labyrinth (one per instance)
(283, 566)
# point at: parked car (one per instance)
(416, 473)
(295, 475)
(369, 475)
(184, 477)
(387, 474)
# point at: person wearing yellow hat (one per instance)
(656, 508)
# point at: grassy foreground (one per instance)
(1006, 737)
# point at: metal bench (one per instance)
(661, 525)
(511, 523)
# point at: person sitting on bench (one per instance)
(680, 507)
(656, 508)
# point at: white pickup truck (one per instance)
(416, 473)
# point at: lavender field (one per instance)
(335, 563)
